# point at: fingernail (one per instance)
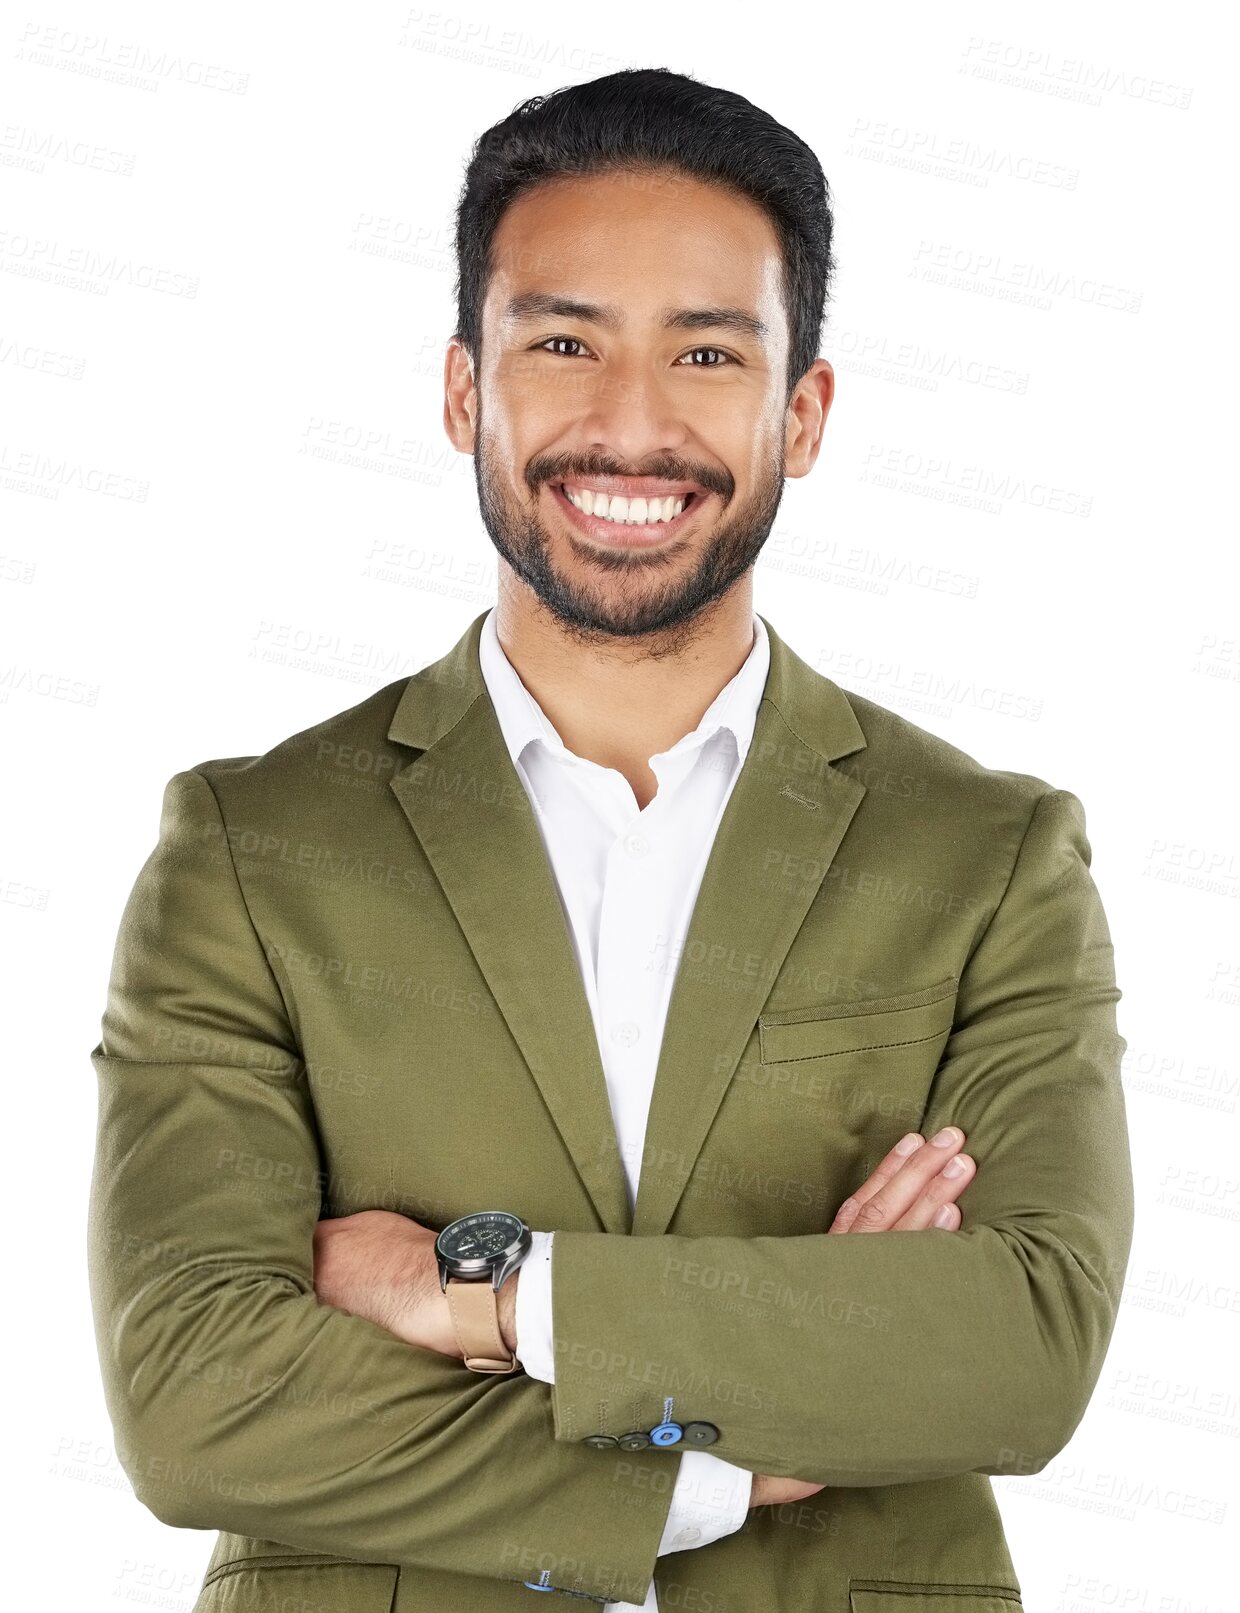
(944, 1218)
(955, 1167)
(947, 1138)
(910, 1144)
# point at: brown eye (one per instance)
(727, 357)
(545, 346)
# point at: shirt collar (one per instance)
(523, 720)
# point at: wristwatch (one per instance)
(476, 1254)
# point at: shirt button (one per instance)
(700, 1433)
(636, 845)
(636, 1441)
(600, 1442)
(626, 1032)
(686, 1537)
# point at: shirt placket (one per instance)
(633, 923)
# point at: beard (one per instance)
(653, 593)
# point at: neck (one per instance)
(619, 701)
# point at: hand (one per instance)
(773, 1492)
(907, 1191)
(382, 1266)
(904, 1194)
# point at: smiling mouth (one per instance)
(626, 532)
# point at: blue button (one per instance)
(530, 1586)
(666, 1434)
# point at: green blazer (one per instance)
(343, 980)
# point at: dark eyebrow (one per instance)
(540, 304)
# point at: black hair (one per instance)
(649, 120)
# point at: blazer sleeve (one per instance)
(239, 1401)
(904, 1356)
(711, 1498)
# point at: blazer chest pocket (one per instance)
(871, 1024)
(907, 1596)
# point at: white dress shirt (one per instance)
(628, 880)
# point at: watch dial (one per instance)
(479, 1237)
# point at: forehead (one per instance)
(641, 241)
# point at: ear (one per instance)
(460, 398)
(808, 408)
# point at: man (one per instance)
(496, 1077)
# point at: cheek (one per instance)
(535, 393)
(751, 445)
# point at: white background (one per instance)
(229, 509)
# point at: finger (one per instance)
(919, 1161)
(882, 1174)
(939, 1192)
(895, 1198)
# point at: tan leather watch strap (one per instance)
(475, 1316)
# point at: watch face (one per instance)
(482, 1239)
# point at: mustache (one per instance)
(543, 471)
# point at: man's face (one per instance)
(588, 389)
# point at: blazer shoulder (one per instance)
(350, 747)
(903, 758)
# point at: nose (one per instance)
(632, 415)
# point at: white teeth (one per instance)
(626, 511)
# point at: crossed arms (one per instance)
(242, 1403)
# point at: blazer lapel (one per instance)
(788, 811)
(780, 830)
(467, 805)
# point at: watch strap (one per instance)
(474, 1307)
